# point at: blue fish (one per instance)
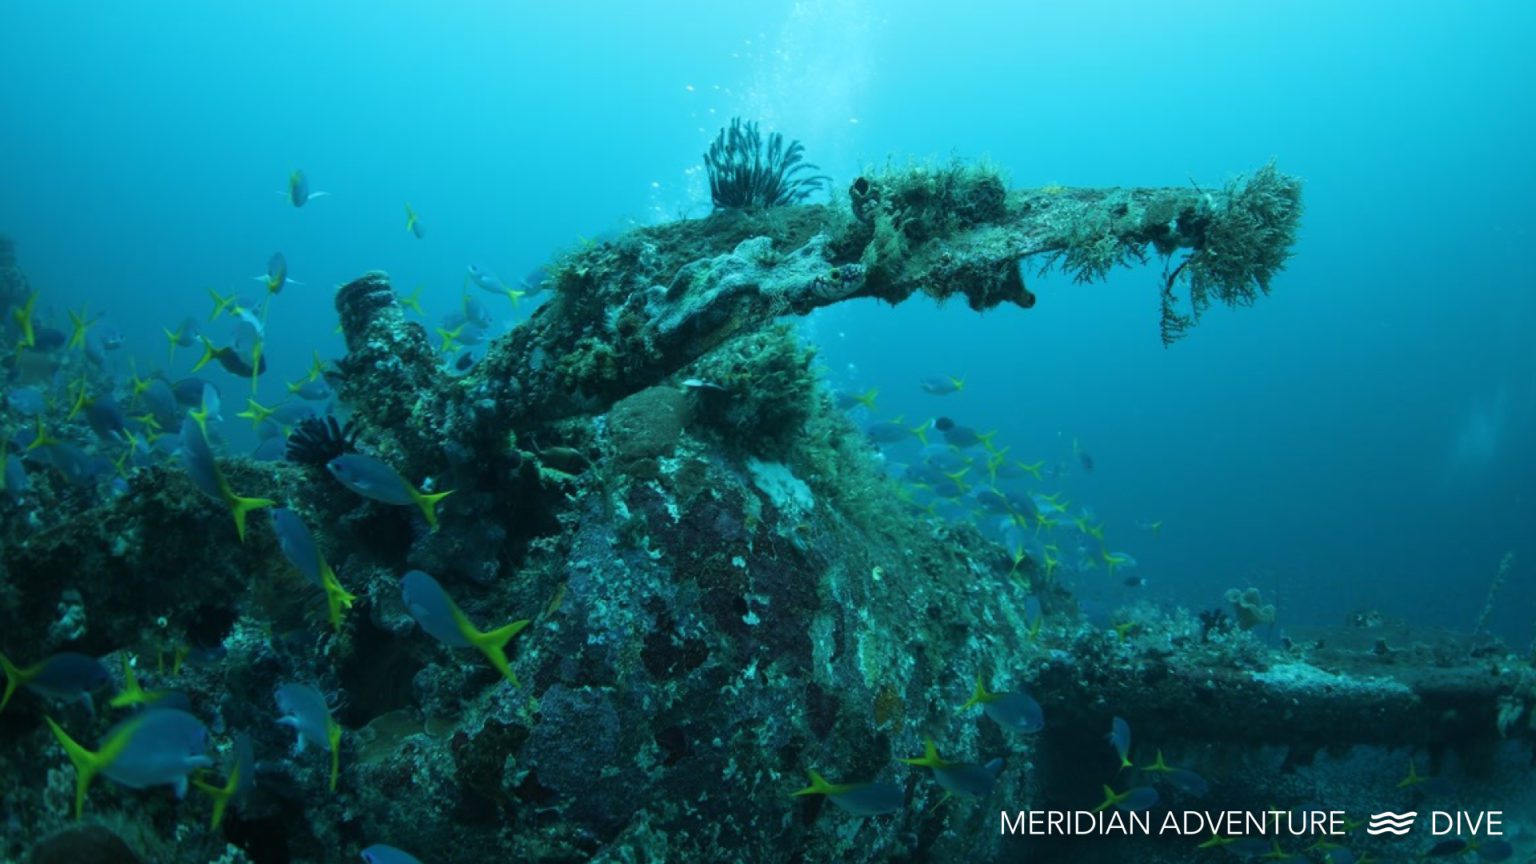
(487, 281)
(159, 747)
(205, 474)
(941, 385)
(13, 482)
(374, 480)
(277, 273)
(305, 710)
(298, 190)
(380, 853)
(238, 784)
(1016, 712)
(1120, 738)
(189, 391)
(161, 399)
(1135, 798)
(958, 778)
(437, 614)
(67, 676)
(298, 546)
(860, 799)
(312, 389)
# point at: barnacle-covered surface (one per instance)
(725, 589)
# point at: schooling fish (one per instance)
(298, 190)
(860, 799)
(437, 614)
(413, 223)
(160, 747)
(13, 481)
(209, 480)
(380, 853)
(958, 778)
(1120, 738)
(67, 676)
(230, 359)
(963, 436)
(375, 480)
(1016, 712)
(1135, 798)
(485, 280)
(239, 783)
(941, 385)
(305, 710)
(298, 546)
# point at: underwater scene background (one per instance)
(786, 432)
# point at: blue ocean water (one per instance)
(1361, 438)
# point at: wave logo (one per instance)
(1391, 823)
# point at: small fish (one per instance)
(485, 280)
(22, 315)
(1182, 779)
(298, 546)
(1135, 582)
(476, 313)
(13, 482)
(380, 853)
(1134, 798)
(700, 384)
(535, 282)
(311, 390)
(1116, 560)
(67, 676)
(1119, 737)
(962, 436)
(304, 709)
(1447, 848)
(189, 391)
(959, 778)
(413, 223)
(205, 474)
(860, 799)
(230, 359)
(79, 325)
(277, 273)
(133, 695)
(1082, 456)
(377, 481)
(1016, 712)
(437, 614)
(941, 385)
(238, 784)
(888, 431)
(48, 338)
(465, 362)
(847, 401)
(106, 419)
(992, 501)
(298, 190)
(159, 747)
(292, 413)
(1188, 782)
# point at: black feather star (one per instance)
(318, 440)
(743, 175)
